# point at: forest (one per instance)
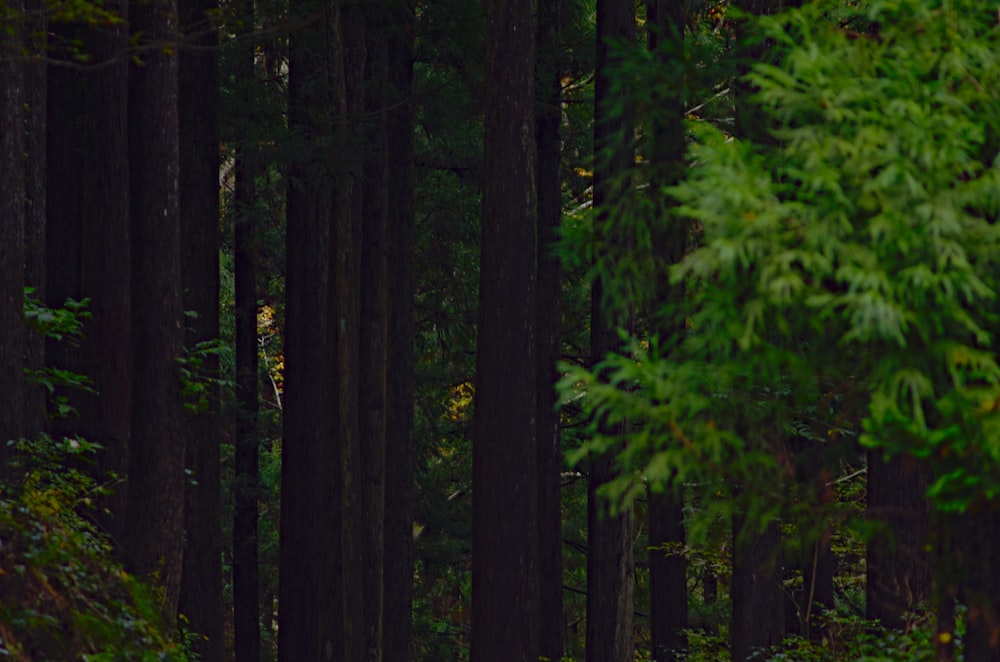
(500, 331)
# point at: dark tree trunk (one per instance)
(668, 613)
(898, 568)
(397, 621)
(87, 205)
(34, 194)
(201, 590)
(154, 517)
(667, 567)
(246, 601)
(548, 112)
(106, 355)
(67, 113)
(758, 601)
(12, 256)
(344, 320)
(309, 531)
(976, 553)
(374, 326)
(505, 451)
(610, 561)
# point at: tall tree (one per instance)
(505, 449)
(306, 568)
(106, 355)
(246, 479)
(667, 566)
(374, 324)
(201, 589)
(36, 28)
(397, 618)
(12, 217)
(548, 118)
(344, 315)
(610, 558)
(154, 517)
(758, 603)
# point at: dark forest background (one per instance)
(449, 330)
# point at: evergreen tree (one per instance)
(505, 449)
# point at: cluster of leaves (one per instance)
(62, 595)
(850, 254)
(62, 324)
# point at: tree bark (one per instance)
(106, 355)
(610, 559)
(154, 517)
(35, 95)
(976, 554)
(309, 549)
(345, 314)
(398, 556)
(12, 256)
(374, 325)
(758, 602)
(505, 449)
(246, 480)
(548, 117)
(898, 567)
(667, 569)
(201, 590)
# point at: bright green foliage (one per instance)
(848, 260)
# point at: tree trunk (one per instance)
(345, 314)
(758, 601)
(201, 590)
(106, 351)
(374, 325)
(549, 329)
(667, 567)
(898, 568)
(34, 219)
(154, 517)
(610, 561)
(397, 621)
(505, 450)
(246, 479)
(310, 528)
(12, 256)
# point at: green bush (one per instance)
(62, 594)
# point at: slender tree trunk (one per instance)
(201, 590)
(310, 527)
(505, 450)
(374, 326)
(610, 561)
(35, 95)
(12, 218)
(758, 604)
(66, 130)
(667, 567)
(246, 578)
(549, 329)
(154, 517)
(398, 557)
